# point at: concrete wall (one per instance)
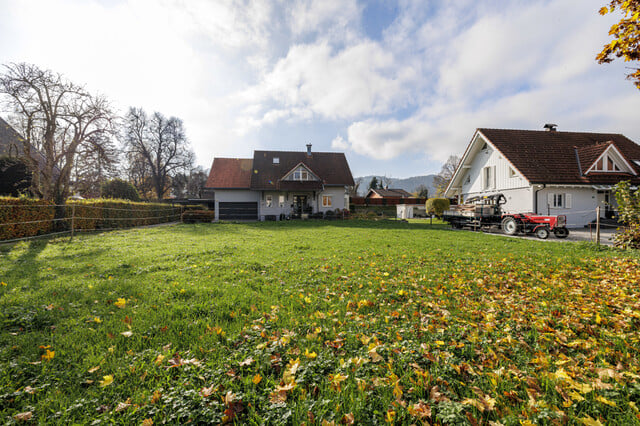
(338, 201)
(580, 211)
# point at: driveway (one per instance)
(577, 234)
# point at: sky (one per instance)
(397, 86)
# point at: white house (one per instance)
(276, 184)
(547, 172)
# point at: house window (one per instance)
(326, 201)
(281, 200)
(512, 173)
(297, 175)
(276, 160)
(489, 177)
(269, 200)
(559, 200)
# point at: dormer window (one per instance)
(276, 160)
(301, 173)
(606, 164)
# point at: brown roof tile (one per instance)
(331, 167)
(550, 157)
(230, 173)
(391, 192)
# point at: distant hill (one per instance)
(409, 184)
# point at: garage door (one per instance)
(238, 211)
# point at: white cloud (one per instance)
(339, 143)
(337, 16)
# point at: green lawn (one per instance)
(318, 322)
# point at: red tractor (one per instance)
(485, 213)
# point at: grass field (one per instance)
(318, 322)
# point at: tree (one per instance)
(436, 206)
(118, 188)
(422, 191)
(385, 182)
(56, 117)
(442, 179)
(353, 191)
(15, 176)
(629, 214)
(94, 165)
(189, 185)
(626, 36)
(157, 149)
(374, 183)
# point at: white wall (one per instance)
(582, 209)
(337, 194)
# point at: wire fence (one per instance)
(40, 219)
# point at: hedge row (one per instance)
(108, 213)
(88, 214)
(39, 213)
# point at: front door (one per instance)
(299, 203)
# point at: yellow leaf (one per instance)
(605, 401)
(3, 283)
(147, 422)
(589, 421)
(94, 369)
(120, 303)
(106, 380)
(390, 416)
(48, 356)
(159, 359)
(256, 379)
(310, 355)
(598, 318)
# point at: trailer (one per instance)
(485, 214)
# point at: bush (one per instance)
(15, 177)
(629, 213)
(193, 216)
(121, 189)
(13, 210)
(436, 206)
(106, 214)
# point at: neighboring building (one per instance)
(547, 172)
(388, 193)
(277, 184)
(12, 144)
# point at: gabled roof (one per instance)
(261, 173)
(552, 157)
(331, 167)
(390, 192)
(230, 173)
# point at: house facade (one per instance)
(279, 184)
(547, 172)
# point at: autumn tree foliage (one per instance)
(626, 36)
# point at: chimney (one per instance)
(308, 150)
(550, 127)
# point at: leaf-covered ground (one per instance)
(318, 323)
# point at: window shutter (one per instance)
(567, 200)
(550, 199)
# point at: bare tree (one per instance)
(353, 190)
(189, 185)
(422, 191)
(386, 181)
(157, 149)
(94, 165)
(56, 117)
(442, 179)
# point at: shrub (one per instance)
(118, 188)
(15, 176)
(106, 214)
(436, 206)
(12, 210)
(193, 216)
(629, 213)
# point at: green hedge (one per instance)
(14, 210)
(193, 216)
(88, 214)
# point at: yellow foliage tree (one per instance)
(626, 36)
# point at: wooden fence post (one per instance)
(73, 218)
(598, 225)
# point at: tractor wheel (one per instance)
(542, 232)
(509, 225)
(561, 232)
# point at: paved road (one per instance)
(578, 234)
